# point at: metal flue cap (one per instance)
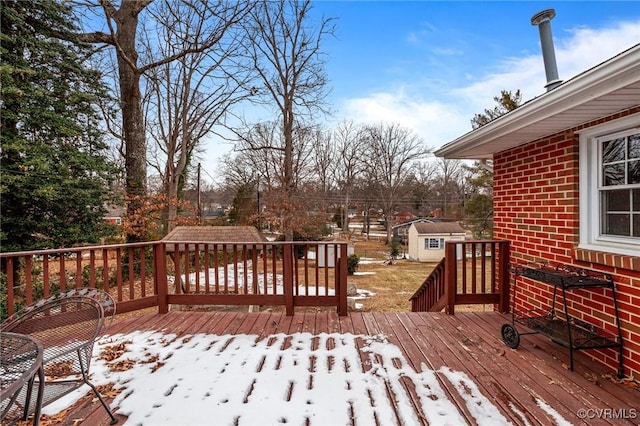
(542, 16)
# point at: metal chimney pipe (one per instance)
(543, 21)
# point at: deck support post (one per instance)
(450, 277)
(160, 276)
(341, 280)
(503, 277)
(287, 277)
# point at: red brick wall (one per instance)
(536, 207)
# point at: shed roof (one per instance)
(439, 228)
(214, 234)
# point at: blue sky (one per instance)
(432, 65)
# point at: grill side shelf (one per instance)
(565, 278)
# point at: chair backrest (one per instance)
(67, 325)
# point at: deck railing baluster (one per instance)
(464, 281)
(141, 277)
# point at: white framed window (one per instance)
(610, 187)
(433, 243)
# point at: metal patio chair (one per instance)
(67, 325)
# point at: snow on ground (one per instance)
(206, 379)
(364, 273)
(244, 276)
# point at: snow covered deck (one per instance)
(236, 368)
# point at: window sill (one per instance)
(614, 260)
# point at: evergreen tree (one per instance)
(506, 102)
(53, 163)
(478, 209)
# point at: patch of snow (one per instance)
(280, 379)
(520, 414)
(477, 404)
(557, 417)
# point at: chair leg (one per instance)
(114, 420)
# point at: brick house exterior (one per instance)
(549, 159)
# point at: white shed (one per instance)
(331, 253)
(426, 240)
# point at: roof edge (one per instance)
(614, 73)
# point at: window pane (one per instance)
(616, 201)
(617, 224)
(613, 150)
(634, 172)
(636, 200)
(636, 225)
(613, 175)
(634, 146)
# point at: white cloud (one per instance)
(424, 117)
(446, 115)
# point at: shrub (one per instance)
(352, 264)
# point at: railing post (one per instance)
(11, 298)
(341, 287)
(503, 281)
(450, 276)
(160, 276)
(287, 276)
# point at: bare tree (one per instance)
(323, 163)
(189, 97)
(260, 155)
(451, 186)
(425, 175)
(286, 55)
(392, 152)
(348, 162)
(120, 30)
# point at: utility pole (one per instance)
(199, 198)
(259, 212)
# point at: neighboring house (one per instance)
(426, 240)
(400, 217)
(114, 214)
(400, 231)
(567, 191)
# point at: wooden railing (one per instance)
(161, 274)
(430, 296)
(472, 272)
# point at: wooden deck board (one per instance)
(547, 369)
(469, 343)
(489, 374)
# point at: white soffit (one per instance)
(608, 88)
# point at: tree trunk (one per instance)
(126, 19)
(288, 171)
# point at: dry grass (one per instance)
(393, 284)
